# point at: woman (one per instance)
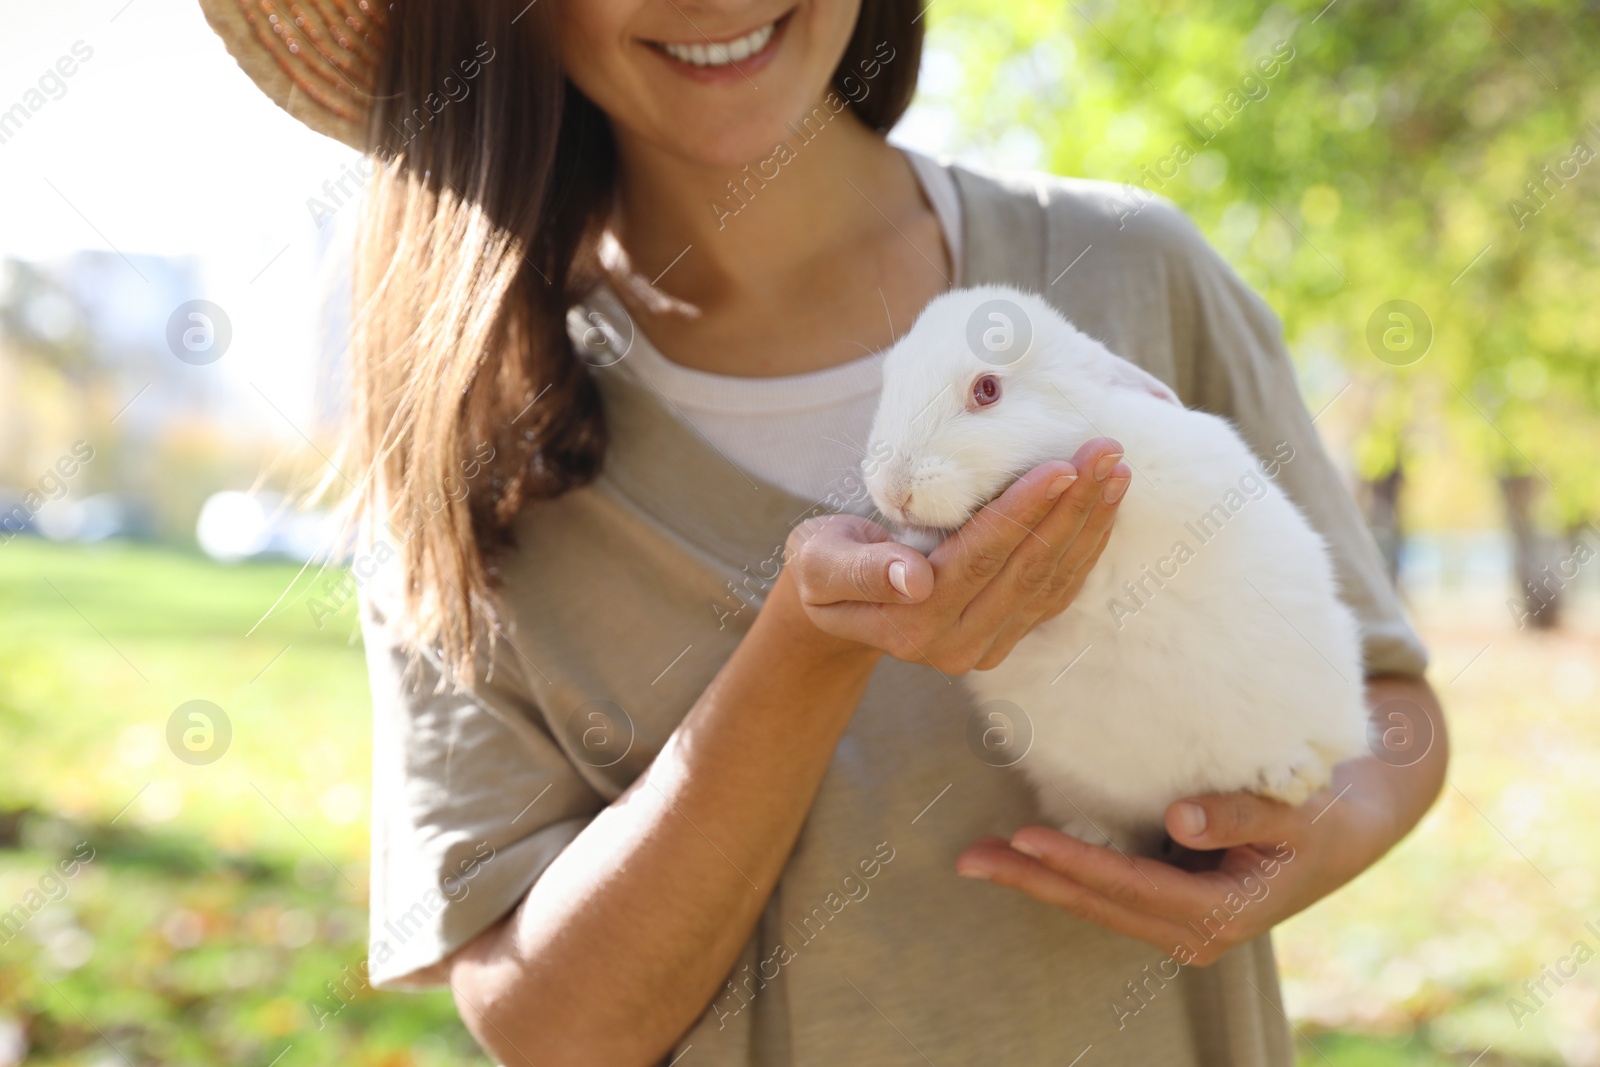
(641, 794)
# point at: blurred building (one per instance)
(92, 349)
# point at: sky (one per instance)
(160, 145)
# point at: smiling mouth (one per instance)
(713, 54)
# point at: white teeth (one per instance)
(720, 55)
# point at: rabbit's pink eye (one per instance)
(986, 390)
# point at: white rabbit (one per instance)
(1208, 650)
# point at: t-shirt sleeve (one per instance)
(1240, 368)
(471, 800)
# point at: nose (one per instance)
(889, 480)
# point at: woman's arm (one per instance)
(1278, 861)
(626, 937)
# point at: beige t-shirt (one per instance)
(625, 598)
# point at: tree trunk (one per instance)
(1380, 501)
(1539, 598)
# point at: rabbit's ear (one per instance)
(1132, 376)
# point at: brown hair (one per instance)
(494, 180)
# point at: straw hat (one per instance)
(316, 59)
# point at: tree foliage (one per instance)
(1343, 157)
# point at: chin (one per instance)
(945, 515)
(733, 141)
(922, 538)
(956, 506)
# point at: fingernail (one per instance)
(897, 577)
(1191, 819)
(1108, 462)
(973, 872)
(1026, 849)
(1060, 485)
(1114, 490)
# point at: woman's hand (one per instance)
(1277, 860)
(1018, 561)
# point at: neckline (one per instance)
(710, 392)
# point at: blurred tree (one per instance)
(1345, 157)
(40, 318)
(47, 362)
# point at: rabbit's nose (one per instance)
(899, 498)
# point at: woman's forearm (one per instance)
(623, 941)
(1398, 786)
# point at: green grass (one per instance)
(225, 896)
(1498, 881)
(1356, 1050)
(222, 898)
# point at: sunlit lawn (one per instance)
(1498, 882)
(226, 896)
(222, 898)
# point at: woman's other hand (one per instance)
(1272, 860)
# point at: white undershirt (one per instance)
(805, 433)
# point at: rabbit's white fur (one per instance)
(1209, 649)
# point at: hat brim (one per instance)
(316, 59)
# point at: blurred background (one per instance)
(183, 706)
